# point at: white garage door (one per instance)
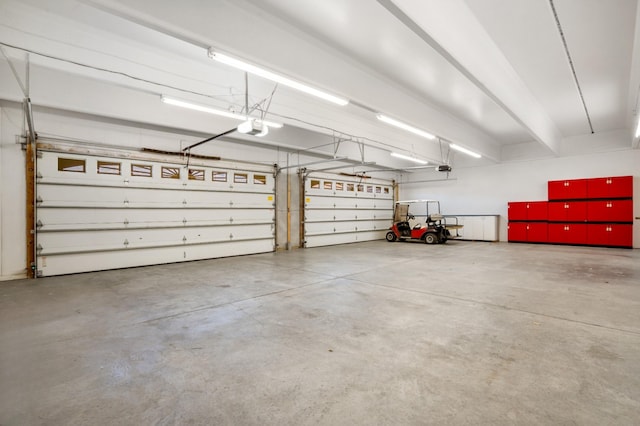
(97, 212)
(340, 209)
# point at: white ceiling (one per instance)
(491, 75)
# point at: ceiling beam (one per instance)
(447, 27)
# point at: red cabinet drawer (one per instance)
(568, 211)
(567, 189)
(616, 235)
(557, 211)
(527, 210)
(570, 233)
(517, 231)
(534, 232)
(621, 235)
(517, 211)
(610, 187)
(610, 211)
(537, 210)
(537, 232)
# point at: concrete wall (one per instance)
(487, 190)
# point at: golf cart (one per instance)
(421, 220)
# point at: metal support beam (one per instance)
(312, 163)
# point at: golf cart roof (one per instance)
(416, 201)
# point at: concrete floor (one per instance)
(369, 333)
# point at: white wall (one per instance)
(487, 190)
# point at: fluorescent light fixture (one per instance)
(404, 126)
(261, 72)
(406, 157)
(638, 129)
(465, 150)
(222, 113)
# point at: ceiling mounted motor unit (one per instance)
(444, 168)
(253, 127)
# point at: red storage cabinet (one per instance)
(517, 231)
(568, 233)
(527, 232)
(568, 211)
(527, 210)
(572, 189)
(613, 235)
(537, 210)
(610, 211)
(610, 187)
(596, 211)
(537, 232)
(517, 210)
(621, 235)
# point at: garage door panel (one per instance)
(346, 238)
(120, 221)
(125, 258)
(93, 218)
(112, 239)
(347, 214)
(355, 203)
(51, 195)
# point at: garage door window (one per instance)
(196, 174)
(350, 187)
(259, 179)
(240, 178)
(328, 185)
(170, 173)
(108, 168)
(339, 186)
(219, 176)
(143, 170)
(315, 184)
(71, 165)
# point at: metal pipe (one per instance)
(209, 139)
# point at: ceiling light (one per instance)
(222, 113)
(465, 150)
(638, 129)
(261, 72)
(406, 157)
(404, 126)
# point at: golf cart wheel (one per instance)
(431, 238)
(391, 237)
